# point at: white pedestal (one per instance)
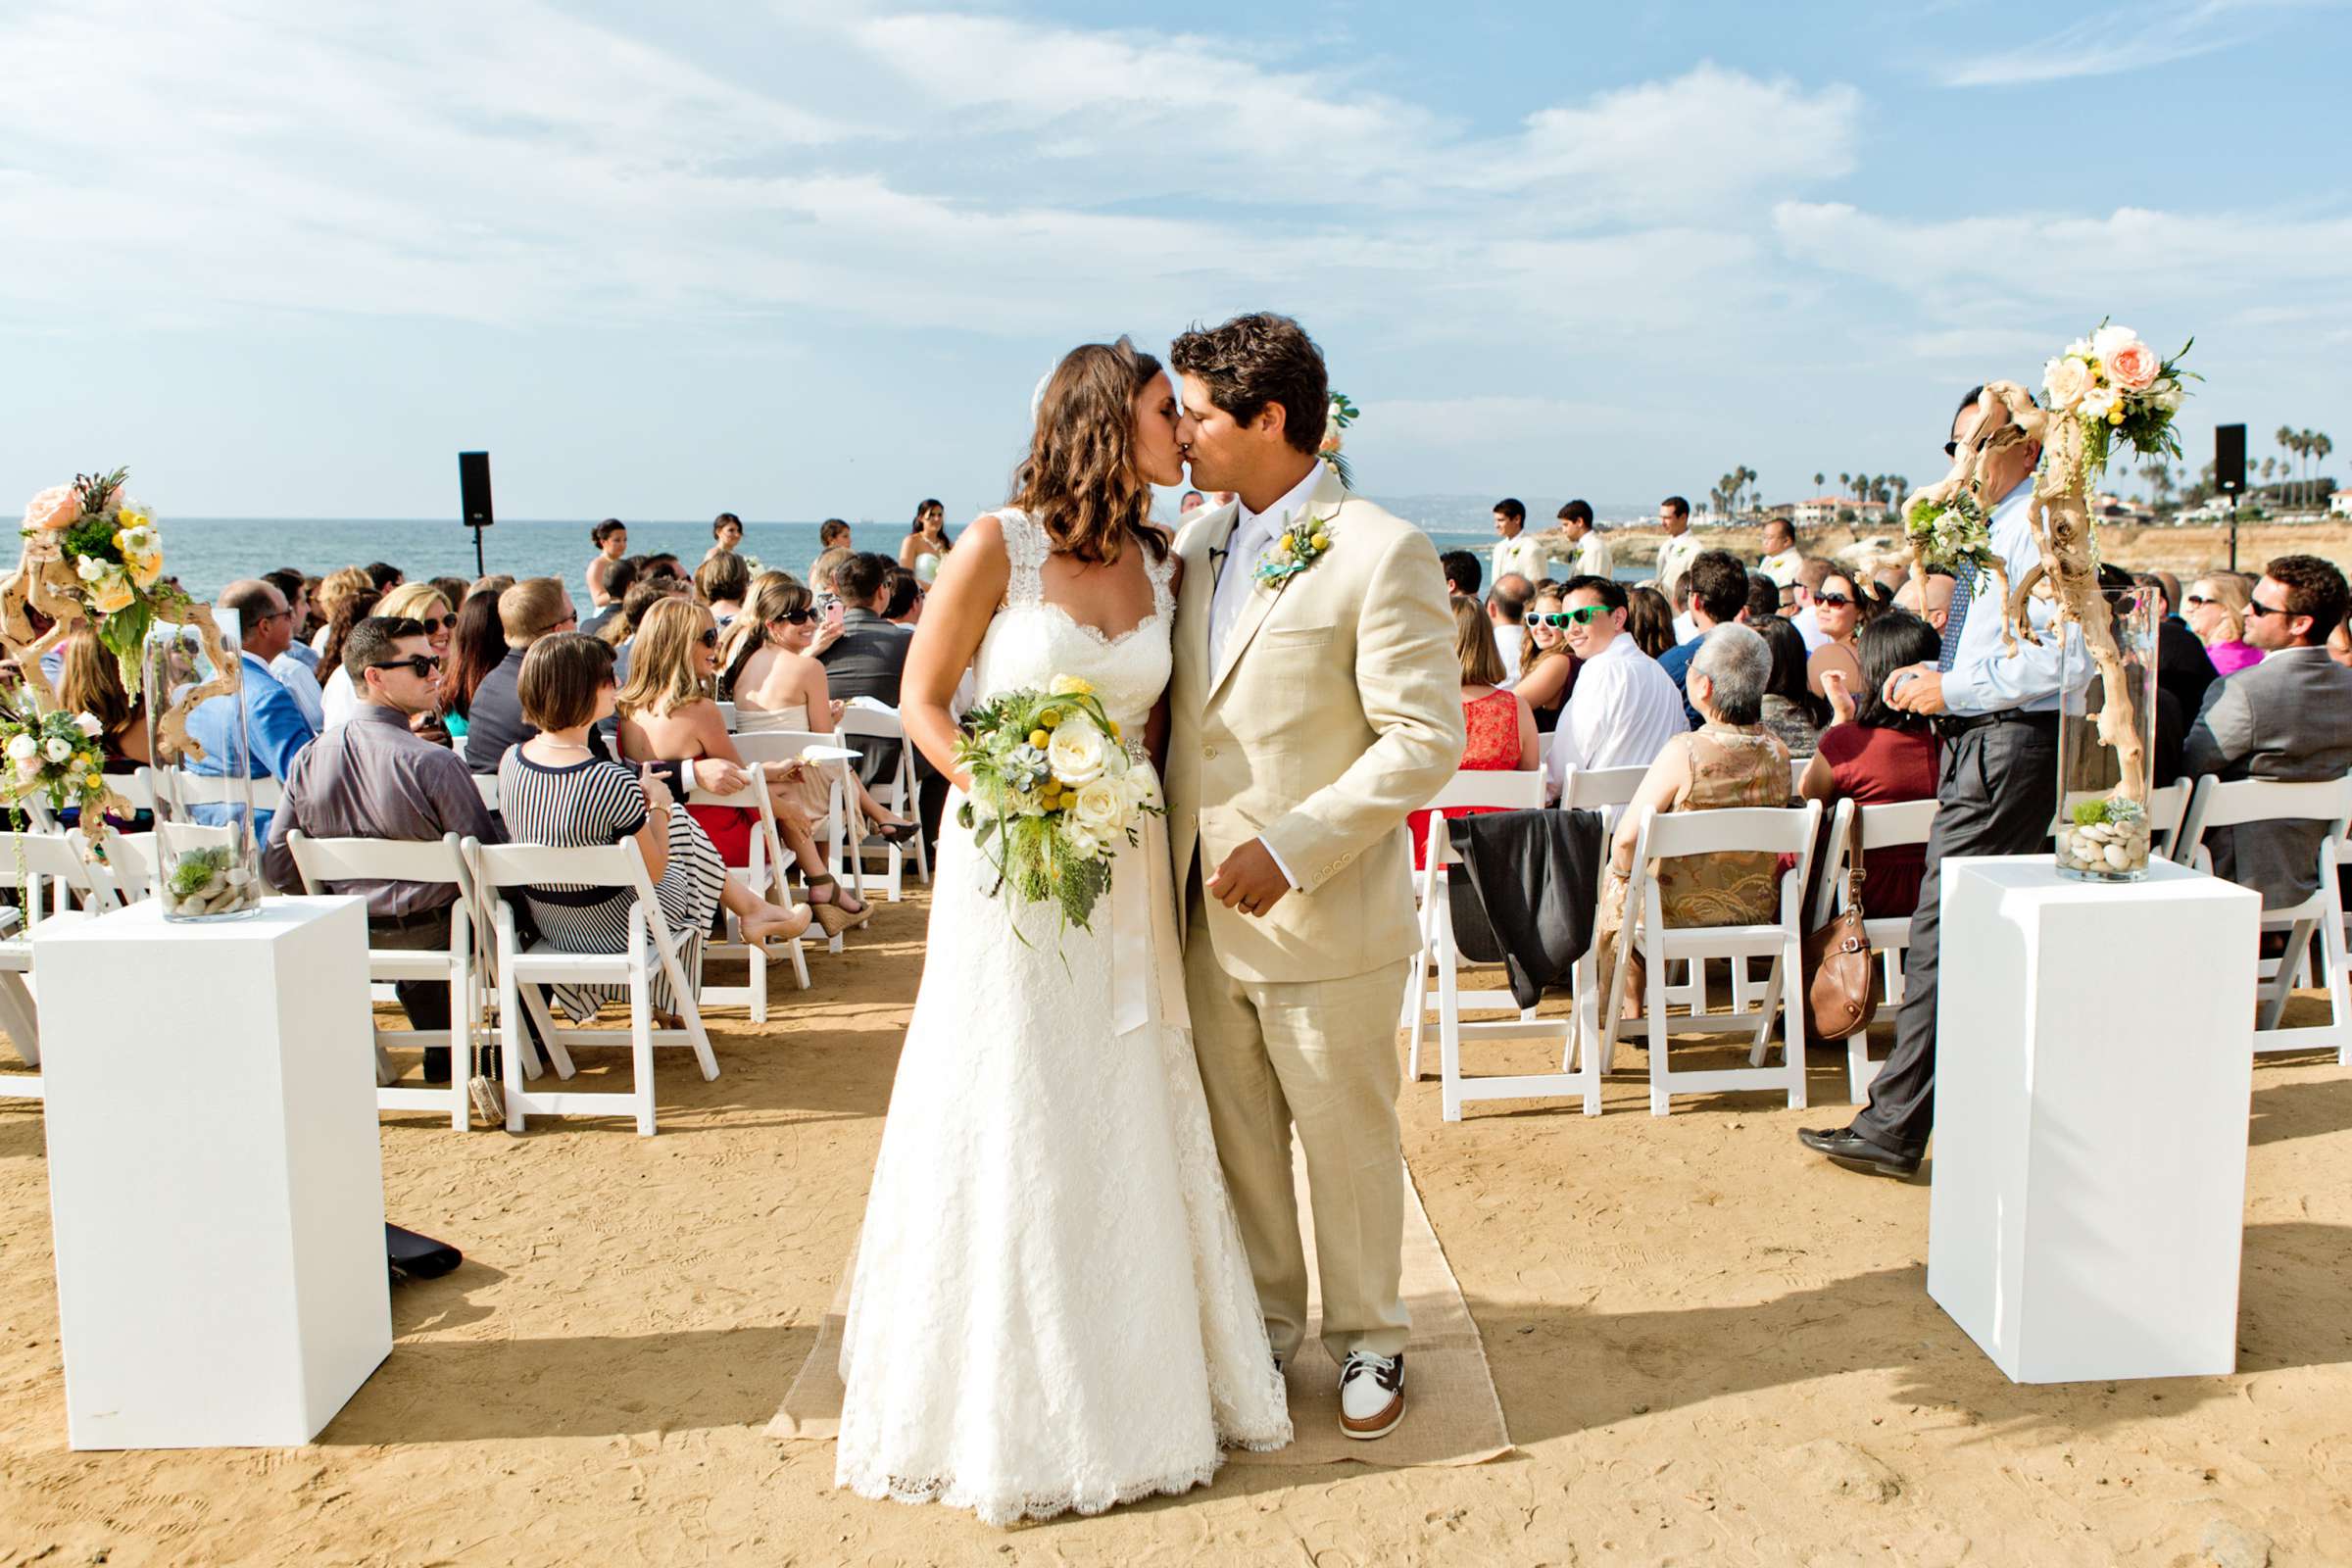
(2093, 1068)
(214, 1179)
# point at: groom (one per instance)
(1316, 701)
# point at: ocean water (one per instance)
(207, 553)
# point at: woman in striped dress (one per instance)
(554, 789)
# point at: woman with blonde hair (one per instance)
(1547, 668)
(341, 587)
(667, 714)
(419, 601)
(765, 669)
(91, 683)
(2216, 610)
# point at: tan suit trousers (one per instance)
(1321, 1053)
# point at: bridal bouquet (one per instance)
(2118, 387)
(117, 554)
(1053, 794)
(53, 756)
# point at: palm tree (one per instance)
(1902, 491)
(2268, 466)
(2320, 446)
(2292, 441)
(1819, 480)
(1844, 484)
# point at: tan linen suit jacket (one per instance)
(1335, 710)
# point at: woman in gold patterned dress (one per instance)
(1730, 761)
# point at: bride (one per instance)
(1051, 1309)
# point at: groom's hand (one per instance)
(1249, 880)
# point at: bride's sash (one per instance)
(1144, 950)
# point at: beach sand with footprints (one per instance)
(1711, 1347)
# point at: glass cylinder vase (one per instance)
(2107, 743)
(208, 852)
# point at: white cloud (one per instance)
(2134, 39)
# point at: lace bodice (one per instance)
(1032, 639)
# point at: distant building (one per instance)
(2340, 505)
(1823, 510)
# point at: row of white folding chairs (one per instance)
(51, 871)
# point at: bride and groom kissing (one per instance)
(1081, 1272)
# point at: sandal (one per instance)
(894, 832)
(830, 914)
(778, 945)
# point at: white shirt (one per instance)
(1808, 626)
(1523, 553)
(1783, 568)
(1592, 557)
(1251, 534)
(1508, 642)
(301, 685)
(340, 701)
(1620, 712)
(1686, 627)
(1986, 677)
(1675, 555)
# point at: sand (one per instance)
(1711, 1349)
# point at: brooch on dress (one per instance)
(1301, 545)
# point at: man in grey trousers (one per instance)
(1997, 714)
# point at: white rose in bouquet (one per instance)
(58, 750)
(86, 724)
(1078, 753)
(2097, 403)
(2066, 380)
(2107, 340)
(1081, 840)
(1100, 808)
(1139, 790)
(24, 749)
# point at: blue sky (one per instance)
(798, 259)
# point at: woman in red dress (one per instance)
(1503, 729)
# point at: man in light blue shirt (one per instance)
(1997, 712)
(275, 728)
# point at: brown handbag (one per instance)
(1839, 998)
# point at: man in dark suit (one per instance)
(2182, 667)
(2288, 718)
(869, 657)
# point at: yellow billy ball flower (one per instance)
(1039, 739)
(1288, 543)
(2116, 417)
(1050, 718)
(1320, 541)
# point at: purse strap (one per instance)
(1853, 858)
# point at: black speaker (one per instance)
(2229, 459)
(474, 481)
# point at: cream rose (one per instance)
(2107, 339)
(144, 569)
(88, 724)
(2097, 403)
(112, 595)
(1070, 686)
(1082, 841)
(1100, 808)
(1077, 753)
(59, 750)
(2132, 367)
(24, 748)
(2065, 379)
(54, 508)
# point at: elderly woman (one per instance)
(2216, 610)
(1730, 761)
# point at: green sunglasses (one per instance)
(1584, 616)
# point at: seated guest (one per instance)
(419, 601)
(1463, 572)
(906, 607)
(1649, 621)
(666, 714)
(1502, 731)
(828, 562)
(476, 644)
(1765, 600)
(276, 730)
(765, 669)
(91, 683)
(554, 789)
(1931, 604)
(370, 778)
(349, 611)
(1730, 761)
(1791, 712)
(296, 668)
(1687, 628)
(2287, 717)
(1506, 608)
(385, 576)
(2182, 667)
(528, 610)
(2217, 613)
(621, 630)
(1625, 707)
(1719, 587)
(1547, 670)
(722, 580)
(1873, 755)
(344, 583)
(619, 577)
(1809, 577)
(1838, 616)
(871, 655)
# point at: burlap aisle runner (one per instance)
(1454, 1416)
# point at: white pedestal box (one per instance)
(2093, 1068)
(214, 1179)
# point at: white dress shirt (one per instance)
(1508, 642)
(1808, 626)
(1592, 557)
(1523, 553)
(1783, 568)
(1986, 677)
(1620, 712)
(295, 676)
(1251, 533)
(1675, 555)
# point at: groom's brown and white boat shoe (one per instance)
(1371, 1395)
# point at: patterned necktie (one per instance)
(1951, 622)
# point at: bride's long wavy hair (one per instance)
(1080, 479)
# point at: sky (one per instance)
(798, 259)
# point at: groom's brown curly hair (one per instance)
(1255, 359)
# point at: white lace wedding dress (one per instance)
(1051, 1309)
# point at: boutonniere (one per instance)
(1302, 544)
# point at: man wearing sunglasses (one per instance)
(1997, 712)
(1624, 709)
(2288, 718)
(371, 778)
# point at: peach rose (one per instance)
(54, 508)
(113, 594)
(2132, 367)
(2065, 380)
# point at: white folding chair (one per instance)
(1608, 791)
(858, 728)
(192, 788)
(775, 746)
(441, 861)
(522, 971)
(2261, 800)
(1443, 992)
(54, 864)
(1892, 825)
(765, 876)
(1760, 830)
(127, 872)
(726, 716)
